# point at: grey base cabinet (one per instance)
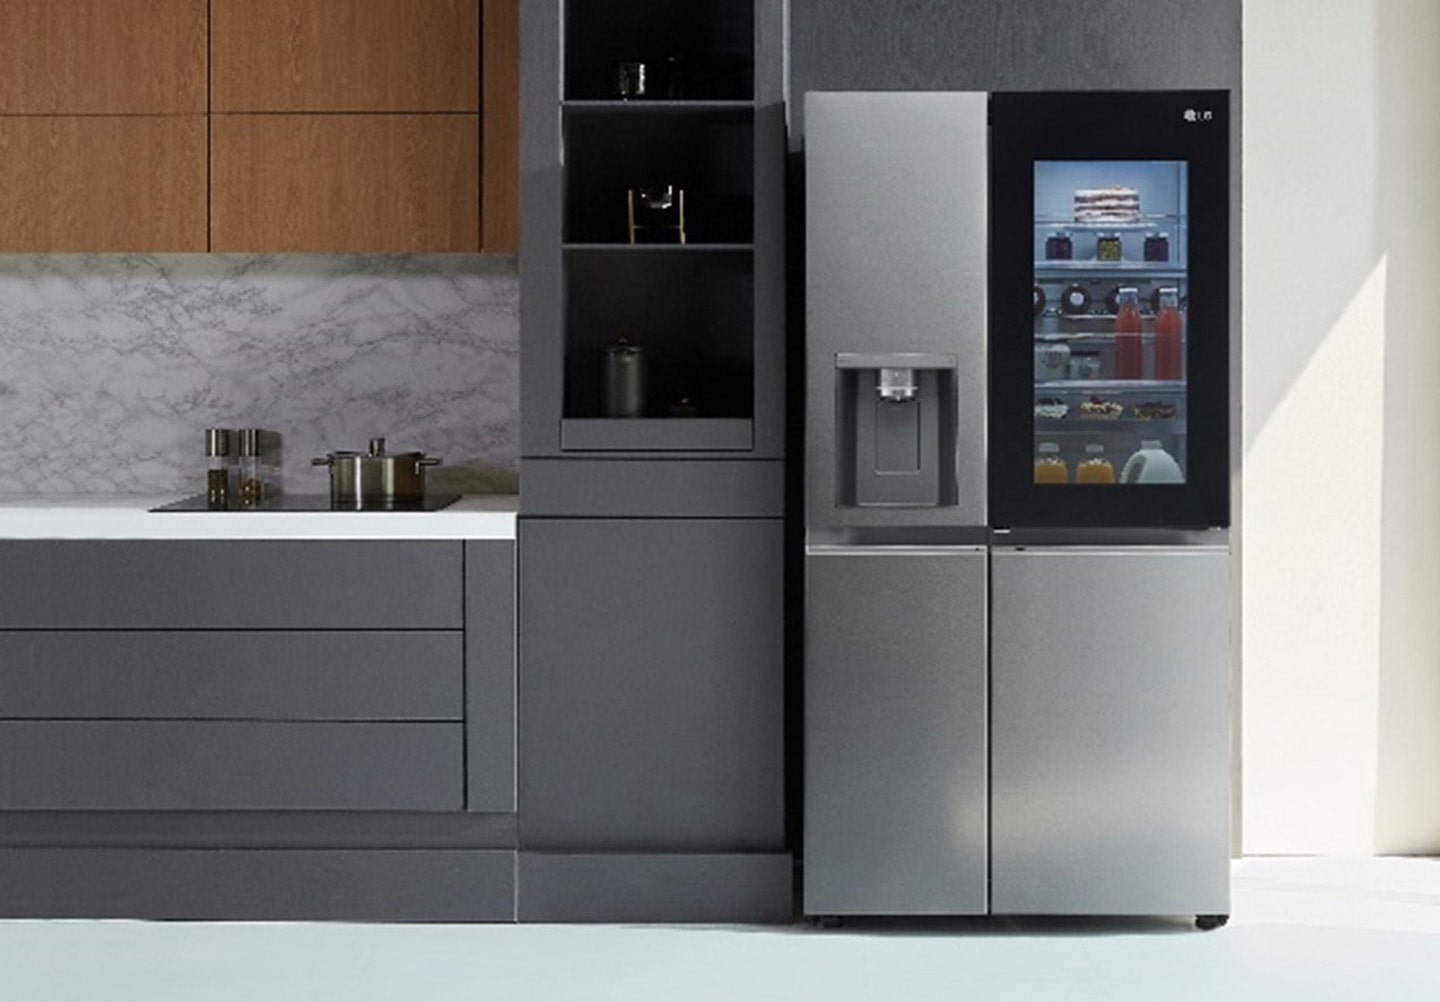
(257, 729)
(651, 708)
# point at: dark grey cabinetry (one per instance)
(652, 773)
(652, 709)
(651, 701)
(709, 313)
(256, 713)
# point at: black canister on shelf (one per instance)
(1157, 247)
(624, 380)
(1058, 246)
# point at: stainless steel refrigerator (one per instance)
(1017, 560)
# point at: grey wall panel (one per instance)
(1012, 45)
(542, 200)
(217, 584)
(651, 685)
(250, 885)
(271, 675)
(600, 488)
(895, 731)
(229, 765)
(256, 830)
(638, 887)
(490, 675)
(1110, 756)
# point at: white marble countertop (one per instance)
(475, 516)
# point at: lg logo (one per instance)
(1191, 115)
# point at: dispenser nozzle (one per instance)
(896, 384)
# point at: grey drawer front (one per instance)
(227, 583)
(368, 885)
(273, 675)
(229, 765)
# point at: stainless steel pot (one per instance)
(375, 478)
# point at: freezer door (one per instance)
(895, 288)
(895, 761)
(1110, 760)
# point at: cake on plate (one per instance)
(1107, 205)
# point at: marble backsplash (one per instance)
(111, 365)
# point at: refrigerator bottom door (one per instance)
(1110, 759)
(895, 759)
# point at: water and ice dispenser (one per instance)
(895, 419)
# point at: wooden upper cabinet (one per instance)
(345, 55)
(102, 184)
(101, 57)
(500, 128)
(342, 183)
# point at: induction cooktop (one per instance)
(312, 502)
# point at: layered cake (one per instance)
(1105, 410)
(1051, 407)
(1154, 410)
(1107, 205)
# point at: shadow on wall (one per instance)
(1342, 548)
(1407, 103)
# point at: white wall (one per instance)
(1341, 472)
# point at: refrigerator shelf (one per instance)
(1096, 267)
(1145, 222)
(1049, 428)
(1087, 337)
(1122, 386)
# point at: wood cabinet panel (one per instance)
(345, 183)
(135, 183)
(102, 57)
(345, 55)
(500, 127)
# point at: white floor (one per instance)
(1308, 930)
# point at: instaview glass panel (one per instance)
(1110, 251)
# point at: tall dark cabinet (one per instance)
(651, 777)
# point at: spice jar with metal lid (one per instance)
(249, 475)
(217, 468)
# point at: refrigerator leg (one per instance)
(1207, 922)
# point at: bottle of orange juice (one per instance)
(1049, 467)
(1095, 468)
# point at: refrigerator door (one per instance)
(895, 287)
(1110, 754)
(1109, 396)
(895, 743)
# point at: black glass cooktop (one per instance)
(312, 502)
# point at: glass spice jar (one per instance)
(1058, 247)
(1108, 247)
(250, 476)
(217, 468)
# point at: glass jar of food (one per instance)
(1058, 247)
(1095, 468)
(1049, 467)
(1157, 247)
(1108, 247)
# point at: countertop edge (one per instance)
(473, 517)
